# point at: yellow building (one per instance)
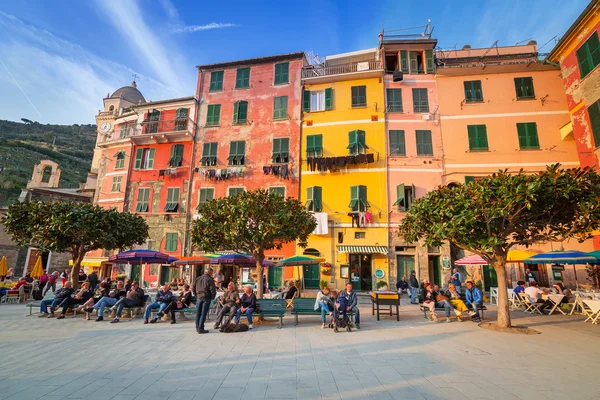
(343, 177)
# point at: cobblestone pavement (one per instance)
(410, 359)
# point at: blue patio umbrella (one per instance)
(572, 257)
(136, 257)
(239, 259)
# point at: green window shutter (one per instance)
(143, 200)
(120, 163)
(420, 100)
(354, 200)
(314, 145)
(171, 242)
(237, 153)
(352, 142)
(280, 191)
(588, 55)
(216, 81)
(209, 154)
(414, 65)
(473, 91)
(282, 73)
(242, 78)
(280, 107)
(413, 194)
(469, 179)
(404, 61)
(306, 101)
(206, 195)
(177, 155)
(400, 198)
(394, 100)
(318, 198)
(528, 136)
(397, 143)
(242, 117)
(181, 113)
(328, 99)
(524, 88)
(477, 137)
(150, 153)
(361, 141)
(594, 114)
(359, 96)
(235, 191)
(429, 65)
(362, 198)
(281, 150)
(139, 155)
(424, 144)
(172, 203)
(310, 198)
(213, 114)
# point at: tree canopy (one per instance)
(73, 227)
(493, 214)
(252, 222)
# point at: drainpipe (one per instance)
(188, 217)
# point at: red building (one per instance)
(249, 130)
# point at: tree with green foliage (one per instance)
(252, 222)
(72, 227)
(491, 215)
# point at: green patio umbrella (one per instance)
(297, 261)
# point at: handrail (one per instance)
(314, 71)
(148, 127)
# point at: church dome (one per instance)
(129, 93)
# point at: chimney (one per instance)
(466, 47)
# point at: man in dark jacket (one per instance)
(205, 289)
(93, 280)
(163, 298)
(413, 284)
(134, 298)
(61, 294)
(247, 306)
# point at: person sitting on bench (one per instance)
(443, 301)
(61, 294)
(350, 296)
(474, 301)
(83, 295)
(324, 303)
(456, 301)
(290, 291)
(103, 290)
(183, 301)
(429, 296)
(108, 301)
(163, 298)
(230, 301)
(247, 306)
(134, 298)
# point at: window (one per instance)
(237, 153)
(216, 81)
(153, 118)
(281, 150)
(172, 204)
(359, 96)
(46, 174)
(405, 196)
(240, 112)
(404, 61)
(282, 72)
(358, 198)
(420, 101)
(176, 156)
(588, 55)
(397, 143)
(279, 190)
(360, 235)
(357, 142)
(143, 200)
(235, 191)
(524, 88)
(120, 163)
(424, 145)
(473, 91)
(242, 78)
(314, 199)
(206, 195)
(171, 242)
(594, 114)
(394, 100)
(209, 154)
(416, 62)
(469, 179)
(317, 100)
(116, 184)
(314, 145)
(391, 62)
(528, 136)
(280, 107)
(144, 158)
(477, 137)
(181, 119)
(123, 131)
(213, 115)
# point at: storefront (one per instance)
(365, 266)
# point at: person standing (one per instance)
(456, 280)
(52, 278)
(219, 278)
(64, 276)
(81, 277)
(93, 280)
(413, 284)
(529, 276)
(43, 281)
(205, 289)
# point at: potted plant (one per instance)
(326, 269)
(381, 284)
(323, 283)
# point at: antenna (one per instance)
(134, 77)
(523, 41)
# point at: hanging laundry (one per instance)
(322, 164)
(275, 170)
(355, 219)
(361, 219)
(368, 217)
(329, 162)
(284, 171)
(212, 174)
(266, 170)
(161, 172)
(340, 162)
(351, 160)
(240, 172)
(361, 159)
(370, 158)
(322, 225)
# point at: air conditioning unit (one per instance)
(397, 76)
(425, 116)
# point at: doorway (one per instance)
(135, 273)
(311, 276)
(435, 271)
(404, 264)
(490, 279)
(167, 274)
(361, 272)
(275, 277)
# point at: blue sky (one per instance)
(58, 59)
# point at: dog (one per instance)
(231, 328)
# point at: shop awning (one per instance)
(566, 131)
(363, 249)
(91, 261)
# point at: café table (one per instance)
(556, 299)
(594, 306)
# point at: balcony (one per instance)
(150, 132)
(338, 72)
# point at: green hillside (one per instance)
(24, 144)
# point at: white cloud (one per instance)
(196, 28)
(170, 9)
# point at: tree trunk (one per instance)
(259, 272)
(503, 309)
(78, 256)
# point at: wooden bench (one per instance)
(272, 308)
(49, 296)
(482, 308)
(134, 310)
(303, 306)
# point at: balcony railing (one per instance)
(313, 71)
(174, 126)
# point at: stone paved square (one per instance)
(411, 359)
